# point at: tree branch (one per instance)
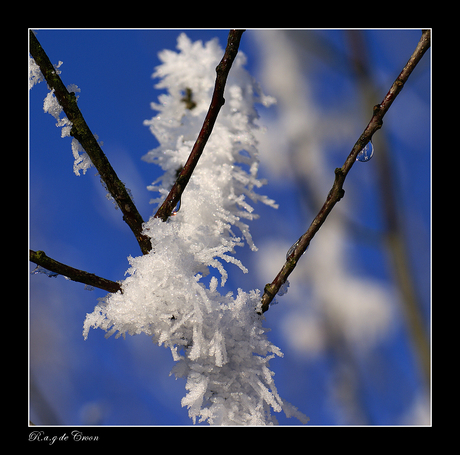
(222, 70)
(83, 134)
(336, 193)
(41, 259)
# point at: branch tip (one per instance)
(40, 258)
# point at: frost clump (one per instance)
(35, 75)
(51, 105)
(217, 340)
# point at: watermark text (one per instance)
(75, 435)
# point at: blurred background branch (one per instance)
(393, 215)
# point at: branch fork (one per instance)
(81, 131)
(131, 216)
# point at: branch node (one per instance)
(268, 289)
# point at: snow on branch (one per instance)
(217, 340)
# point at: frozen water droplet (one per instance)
(291, 250)
(46, 272)
(174, 213)
(293, 247)
(366, 153)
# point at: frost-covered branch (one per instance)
(337, 192)
(217, 102)
(82, 133)
(217, 339)
(90, 279)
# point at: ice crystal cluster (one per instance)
(218, 340)
(51, 105)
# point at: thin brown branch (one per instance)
(81, 132)
(41, 259)
(337, 192)
(222, 70)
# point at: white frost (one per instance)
(35, 75)
(217, 340)
(51, 105)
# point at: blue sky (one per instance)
(126, 382)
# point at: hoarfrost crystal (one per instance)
(40, 269)
(35, 75)
(52, 106)
(217, 340)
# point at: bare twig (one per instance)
(81, 132)
(41, 259)
(222, 70)
(336, 193)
